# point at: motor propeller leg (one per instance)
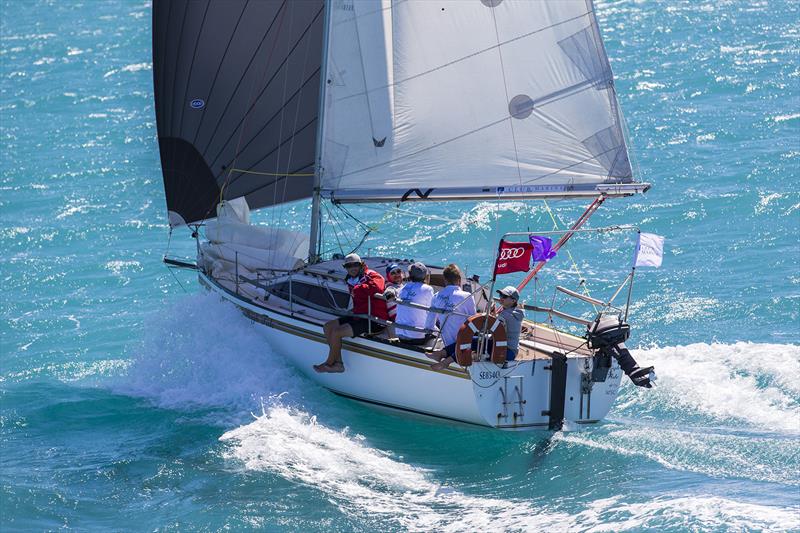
(641, 377)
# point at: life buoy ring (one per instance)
(474, 326)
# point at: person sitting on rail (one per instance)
(363, 284)
(416, 291)
(459, 306)
(512, 317)
(394, 282)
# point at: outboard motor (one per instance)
(607, 335)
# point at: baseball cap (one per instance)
(352, 259)
(417, 271)
(393, 267)
(509, 291)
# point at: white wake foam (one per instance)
(368, 483)
(722, 410)
(699, 450)
(685, 513)
(364, 481)
(757, 384)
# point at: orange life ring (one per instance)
(473, 326)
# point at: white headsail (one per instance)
(469, 99)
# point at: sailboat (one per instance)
(395, 102)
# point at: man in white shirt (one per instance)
(458, 306)
(415, 291)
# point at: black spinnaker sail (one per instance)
(237, 94)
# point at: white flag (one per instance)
(649, 250)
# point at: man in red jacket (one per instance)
(364, 284)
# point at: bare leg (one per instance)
(335, 343)
(334, 332)
(329, 326)
(444, 363)
(436, 355)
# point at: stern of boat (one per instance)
(545, 393)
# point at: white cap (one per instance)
(352, 258)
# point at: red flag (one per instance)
(513, 257)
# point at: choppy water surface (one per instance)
(130, 400)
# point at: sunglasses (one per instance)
(352, 265)
(398, 271)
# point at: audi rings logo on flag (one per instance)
(513, 257)
(511, 253)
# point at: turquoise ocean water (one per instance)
(129, 400)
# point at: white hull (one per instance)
(517, 397)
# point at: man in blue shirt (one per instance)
(458, 306)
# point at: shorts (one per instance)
(450, 350)
(360, 326)
(413, 342)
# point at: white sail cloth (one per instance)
(468, 94)
(232, 241)
(248, 257)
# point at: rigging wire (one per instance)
(364, 238)
(333, 225)
(582, 280)
(348, 214)
(169, 242)
(171, 270)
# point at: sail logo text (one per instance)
(511, 253)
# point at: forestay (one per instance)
(467, 99)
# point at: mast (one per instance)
(316, 204)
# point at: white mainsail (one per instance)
(469, 98)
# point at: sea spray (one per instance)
(203, 353)
(742, 383)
